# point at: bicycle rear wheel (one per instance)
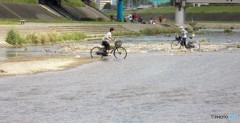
(96, 52)
(196, 46)
(175, 44)
(120, 53)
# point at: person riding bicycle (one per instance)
(106, 39)
(183, 34)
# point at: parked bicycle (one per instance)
(118, 51)
(191, 45)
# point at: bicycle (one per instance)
(118, 51)
(191, 45)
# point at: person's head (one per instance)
(112, 29)
(181, 27)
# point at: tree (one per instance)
(107, 6)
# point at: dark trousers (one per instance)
(106, 45)
(183, 42)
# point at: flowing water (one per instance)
(153, 87)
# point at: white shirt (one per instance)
(105, 38)
(183, 33)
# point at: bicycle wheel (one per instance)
(120, 53)
(196, 46)
(95, 52)
(175, 44)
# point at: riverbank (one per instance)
(36, 64)
(56, 61)
(98, 30)
(31, 65)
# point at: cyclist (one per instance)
(183, 34)
(106, 39)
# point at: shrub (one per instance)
(154, 31)
(72, 36)
(53, 37)
(32, 38)
(44, 39)
(13, 37)
(119, 33)
(227, 30)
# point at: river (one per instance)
(151, 87)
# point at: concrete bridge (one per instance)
(181, 7)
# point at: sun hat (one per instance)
(181, 27)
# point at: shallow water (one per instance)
(145, 88)
(215, 38)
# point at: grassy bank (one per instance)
(75, 3)
(61, 20)
(203, 9)
(20, 1)
(171, 9)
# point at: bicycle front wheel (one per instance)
(175, 45)
(196, 46)
(120, 53)
(95, 52)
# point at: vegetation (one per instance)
(20, 1)
(62, 20)
(75, 3)
(154, 31)
(125, 33)
(9, 21)
(148, 31)
(171, 9)
(214, 9)
(71, 36)
(93, 4)
(107, 6)
(227, 30)
(16, 39)
(13, 37)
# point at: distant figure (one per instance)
(140, 20)
(151, 21)
(154, 21)
(111, 18)
(129, 18)
(183, 33)
(160, 19)
(125, 19)
(135, 17)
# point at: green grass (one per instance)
(61, 20)
(9, 21)
(20, 1)
(16, 38)
(155, 31)
(171, 9)
(75, 3)
(203, 9)
(214, 9)
(165, 9)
